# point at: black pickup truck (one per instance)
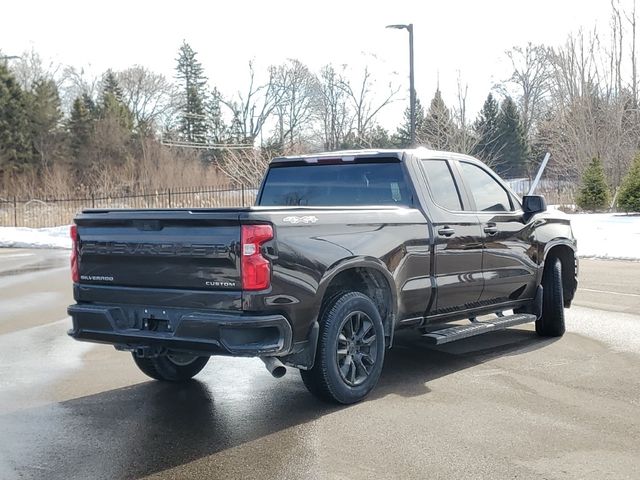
(340, 251)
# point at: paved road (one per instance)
(503, 406)
(610, 285)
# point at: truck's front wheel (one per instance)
(350, 350)
(172, 367)
(551, 323)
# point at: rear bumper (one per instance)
(203, 333)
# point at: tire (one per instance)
(551, 323)
(171, 368)
(350, 351)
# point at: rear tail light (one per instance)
(75, 246)
(256, 270)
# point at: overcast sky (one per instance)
(450, 36)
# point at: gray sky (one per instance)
(450, 36)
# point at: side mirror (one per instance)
(533, 204)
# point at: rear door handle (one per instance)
(491, 229)
(446, 231)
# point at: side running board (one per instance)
(458, 332)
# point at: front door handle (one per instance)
(446, 231)
(491, 229)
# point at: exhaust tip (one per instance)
(274, 366)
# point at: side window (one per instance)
(487, 192)
(442, 185)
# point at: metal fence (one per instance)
(557, 191)
(45, 212)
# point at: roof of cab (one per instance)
(372, 154)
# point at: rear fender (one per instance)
(369, 263)
(304, 355)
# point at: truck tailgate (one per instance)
(169, 249)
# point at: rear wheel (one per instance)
(350, 350)
(551, 323)
(173, 367)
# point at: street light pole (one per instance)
(412, 90)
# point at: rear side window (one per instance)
(442, 185)
(336, 185)
(487, 192)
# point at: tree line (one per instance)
(578, 100)
(63, 119)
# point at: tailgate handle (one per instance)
(148, 225)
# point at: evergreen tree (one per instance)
(46, 116)
(193, 122)
(377, 137)
(81, 122)
(110, 86)
(236, 131)
(217, 129)
(486, 129)
(594, 192)
(513, 151)
(112, 106)
(16, 153)
(438, 128)
(629, 196)
(402, 137)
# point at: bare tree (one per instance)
(617, 42)
(251, 109)
(463, 140)
(151, 98)
(530, 75)
(361, 95)
(299, 95)
(75, 83)
(631, 18)
(569, 126)
(589, 116)
(335, 116)
(30, 68)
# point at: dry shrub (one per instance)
(163, 167)
(244, 167)
(154, 167)
(247, 166)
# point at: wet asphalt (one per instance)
(504, 405)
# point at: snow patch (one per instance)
(22, 237)
(607, 235)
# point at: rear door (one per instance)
(458, 239)
(508, 266)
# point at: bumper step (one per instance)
(459, 332)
